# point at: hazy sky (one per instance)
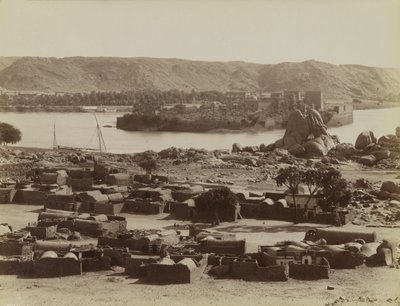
(341, 32)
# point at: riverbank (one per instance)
(362, 105)
(67, 109)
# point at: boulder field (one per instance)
(306, 136)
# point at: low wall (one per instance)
(12, 248)
(15, 266)
(7, 195)
(81, 184)
(117, 256)
(119, 179)
(250, 210)
(41, 232)
(244, 267)
(134, 265)
(108, 209)
(273, 273)
(139, 244)
(93, 264)
(236, 247)
(184, 272)
(56, 267)
(92, 227)
(309, 272)
(60, 198)
(30, 197)
(143, 206)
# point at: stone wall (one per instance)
(309, 272)
(56, 267)
(273, 273)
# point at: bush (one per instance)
(9, 134)
(216, 201)
(149, 165)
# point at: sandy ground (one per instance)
(362, 286)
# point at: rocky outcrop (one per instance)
(306, 135)
(236, 148)
(319, 146)
(345, 150)
(390, 187)
(297, 129)
(367, 160)
(364, 139)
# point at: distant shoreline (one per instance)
(367, 104)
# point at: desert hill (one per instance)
(84, 74)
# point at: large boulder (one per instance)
(251, 149)
(236, 148)
(367, 160)
(277, 144)
(281, 152)
(316, 123)
(268, 148)
(364, 139)
(345, 149)
(390, 186)
(296, 150)
(319, 146)
(382, 154)
(297, 129)
(386, 138)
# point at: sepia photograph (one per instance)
(200, 152)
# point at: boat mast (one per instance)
(100, 136)
(54, 136)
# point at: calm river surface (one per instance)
(79, 130)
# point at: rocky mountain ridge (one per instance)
(85, 74)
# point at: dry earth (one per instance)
(362, 286)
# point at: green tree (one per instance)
(217, 202)
(9, 134)
(291, 178)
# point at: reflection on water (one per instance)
(79, 130)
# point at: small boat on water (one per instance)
(99, 135)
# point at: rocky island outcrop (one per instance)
(306, 135)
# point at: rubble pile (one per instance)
(377, 206)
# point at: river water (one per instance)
(79, 130)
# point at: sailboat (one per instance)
(100, 139)
(99, 135)
(55, 147)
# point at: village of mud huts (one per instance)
(307, 215)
